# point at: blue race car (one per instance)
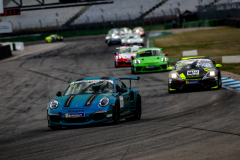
(94, 100)
(114, 39)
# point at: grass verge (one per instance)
(218, 42)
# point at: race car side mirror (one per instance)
(59, 94)
(115, 53)
(166, 54)
(132, 57)
(122, 90)
(218, 65)
(169, 68)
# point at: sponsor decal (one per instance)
(193, 73)
(90, 99)
(97, 80)
(121, 101)
(75, 115)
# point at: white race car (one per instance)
(132, 39)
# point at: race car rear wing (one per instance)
(130, 80)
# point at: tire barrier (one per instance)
(5, 51)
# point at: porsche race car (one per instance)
(149, 60)
(111, 33)
(139, 30)
(132, 39)
(192, 72)
(53, 38)
(94, 100)
(122, 58)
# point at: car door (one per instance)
(124, 98)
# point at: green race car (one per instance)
(149, 60)
(53, 38)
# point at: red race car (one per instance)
(122, 58)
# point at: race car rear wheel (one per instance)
(116, 113)
(138, 112)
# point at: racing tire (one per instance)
(219, 82)
(132, 71)
(116, 113)
(115, 65)
(170, 92)
(138, 112)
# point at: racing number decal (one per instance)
(193, 73)
(121, 101)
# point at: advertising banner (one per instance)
(5, 27)
(1, 7)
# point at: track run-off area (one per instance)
(190, 125)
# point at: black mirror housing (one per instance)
(59, 94)
(122, 90)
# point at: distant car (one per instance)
(122, 58)
(132, 39)
(114, 39)
(125, 30)
(149, 60)
(94, 100)
(111, 33)
(53, 38)
(139, 30)
(192, 72)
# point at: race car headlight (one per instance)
(164, 59)
(128, 41)
(54, 104)
(137, 61)
(119, 57)
(103, 102)
(174, 75)
(212, 73)
(117, 37)
(141, 39)
(107, 37)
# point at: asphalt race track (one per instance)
(190, 125)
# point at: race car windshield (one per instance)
(90, 87)
(135, 36)
(124, 50)
(194, 63)
(148, 53)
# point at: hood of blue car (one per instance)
(82, 101)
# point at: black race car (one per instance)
(192, 72)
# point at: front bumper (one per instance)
(115, 41)
(60, 120)
(143, 69)
(123, 63)
(210, 83)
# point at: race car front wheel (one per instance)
(115, 64)
(132, 70)
(116, 113)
